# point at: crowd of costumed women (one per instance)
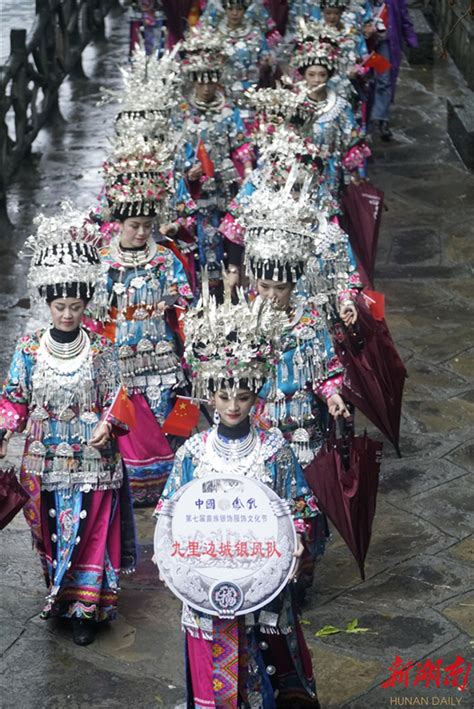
(218, 265)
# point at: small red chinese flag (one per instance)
(376, 302)
(183, 417)
(205, 160)
(383, 14)
(122, 408)
(378, 62)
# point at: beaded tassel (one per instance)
(35, 459)
(92, 467)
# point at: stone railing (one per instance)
(34, 71)
(454, 22)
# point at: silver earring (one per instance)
(217, 417)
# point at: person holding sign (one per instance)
(259, 658)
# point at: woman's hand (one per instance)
(100, 435)
(298, 554)
(337, 406)
(232, 276)
(3, 448)
(195, 172)
(169, 229)
(348, 313)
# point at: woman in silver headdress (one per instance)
(353, 48)
(249, 56)
(279, 243)
(327, 117)
(242, 662)
(215, 153)
(145, 281)
(59, 389)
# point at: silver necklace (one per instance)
(133, 259)
(242, 457)
(235, 449)
(57, 377)
(65, 350)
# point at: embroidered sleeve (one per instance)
(291, 485)
(181, 473)
(180, 282)
(333, 383)
(16, 394)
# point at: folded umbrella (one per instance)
(374, 373)
(362, 206)
(12, 496)
(344, 477)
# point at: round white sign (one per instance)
(225, 545)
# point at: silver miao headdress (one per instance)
(63, 254)
(137, 176)
(232, 345)
(203, 54)
(278, 230)
(151, 89)
(340, 4)
(315, 44)
(274, 104)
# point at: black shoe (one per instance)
(83, 631)
(384, 130)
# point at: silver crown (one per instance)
(278, 226)
(233, 344)
(63, 251)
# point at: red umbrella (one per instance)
(344, 477)
(374, 373)
(176, 12)
(12, 496)
(362, 205)
(278, 10)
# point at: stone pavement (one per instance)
(418, 599)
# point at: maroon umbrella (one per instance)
(362, 206)
(344, 477)
(374, 372)
(278, 10)
(12, 496)
(176, 12)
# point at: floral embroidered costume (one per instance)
(59, 387)
(247, 661)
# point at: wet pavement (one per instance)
(418, 599)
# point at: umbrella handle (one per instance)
(346, 426)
